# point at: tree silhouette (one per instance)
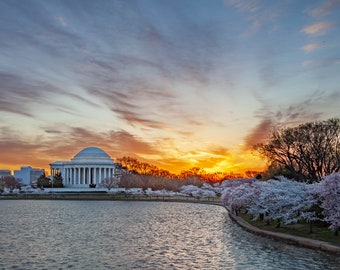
(307, 152)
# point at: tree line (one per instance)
(143, 168)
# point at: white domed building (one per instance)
(87, 168)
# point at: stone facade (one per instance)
(88, 167)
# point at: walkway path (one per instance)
(287, 238)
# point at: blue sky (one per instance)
(174, 83)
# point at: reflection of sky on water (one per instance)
(141, 235)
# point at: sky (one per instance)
(177, 84)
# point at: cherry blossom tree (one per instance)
(189, 190)
(282, 200)
(10, 182)
(110, 182)
(194, 191)
(328, 192)
(239, 198)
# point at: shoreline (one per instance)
(287, 238)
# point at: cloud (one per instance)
(292, 115)
(61, 20)
(23, 95)
(128, 143)
(311, 47)
(316, 29)
(259, 133)
(257, 13)
(18, 94)
(18, 150)
(63, 143)
(321, 62)
(116, 142)
(251, 6)
(136, 105)
(323, 9)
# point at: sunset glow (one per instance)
(177, 84)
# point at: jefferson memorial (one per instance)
(89, 167)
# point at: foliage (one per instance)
(328, 192)
(130, 180)
(282, 200)
(237, 194)
(57, 180)
(308, 152)
(137, 167)
(197, 192)
(110, 182)
(44, 182)
(285, 200)
(9, 182)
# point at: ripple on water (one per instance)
(138, 235)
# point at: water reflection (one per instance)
(138, 235)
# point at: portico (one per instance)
(89, 166)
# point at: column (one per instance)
(71, 176)
(75, 175)
(83, 175)
(64, 175)
(100, 175)
(83, 181)
(95, 175)
(78, 175)
(68, 176)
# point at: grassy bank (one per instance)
(320, 231)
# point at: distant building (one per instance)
(28, 175)
(88, 167)
(5, 173)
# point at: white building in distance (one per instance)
(88, 167)
(28, 175)
(5, 173)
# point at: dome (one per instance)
(91, 153)
(92, 156)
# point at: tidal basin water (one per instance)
(138, 235)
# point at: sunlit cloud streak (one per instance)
(317, 29)
(324, 8)
(311, 47)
